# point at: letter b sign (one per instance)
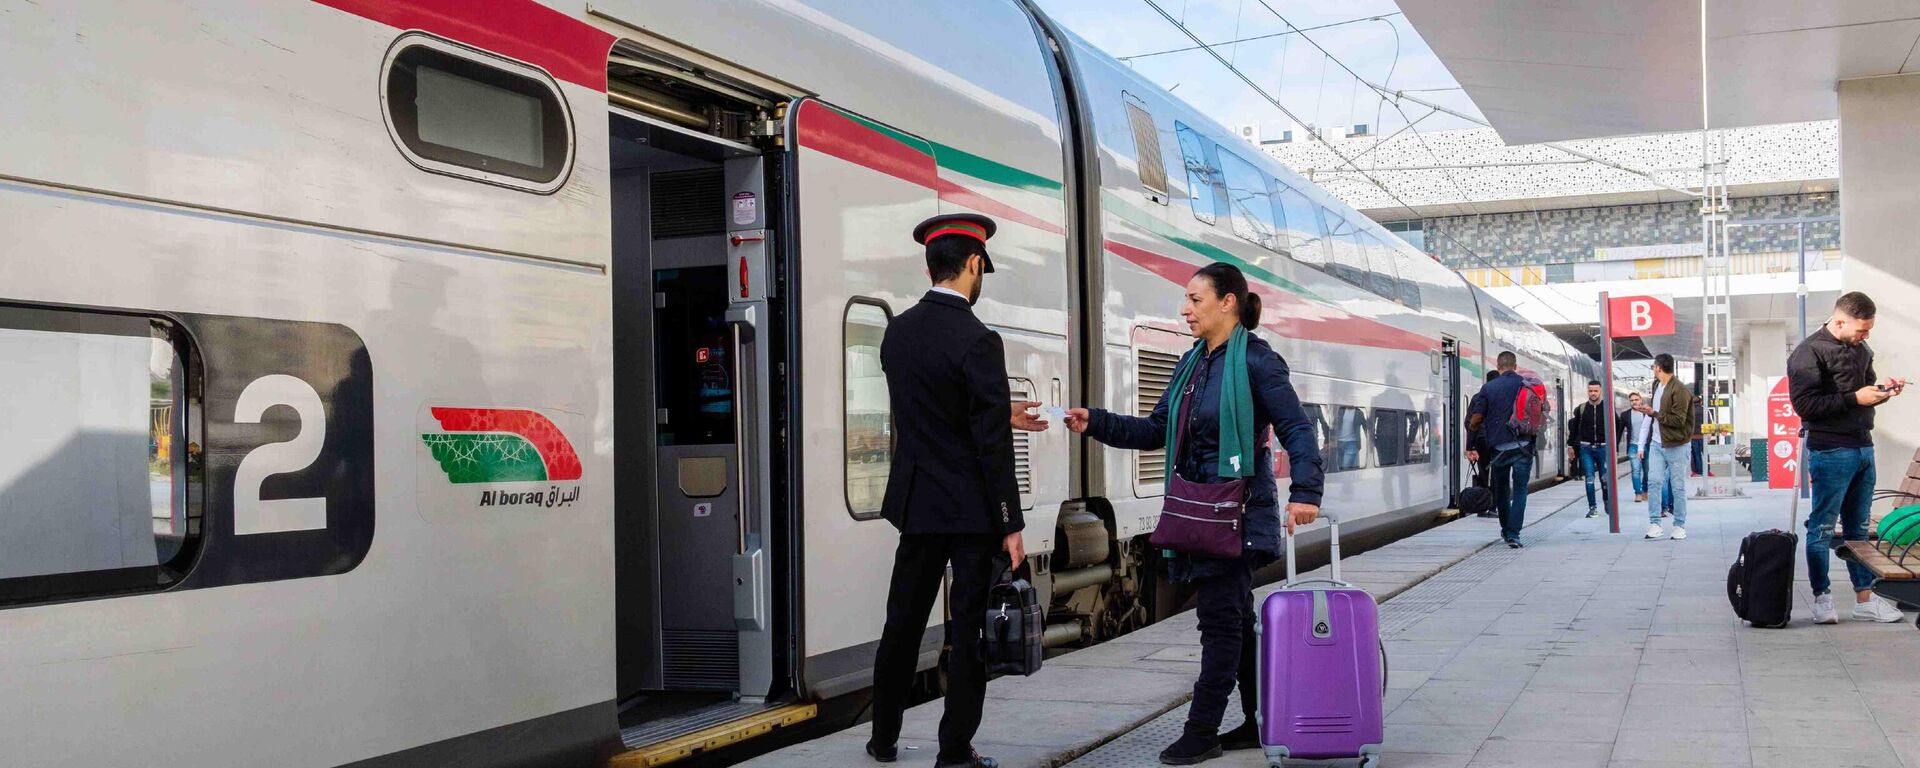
(1639, 316)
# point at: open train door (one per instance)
(703, 405)
(1452, 418)
(858, 187)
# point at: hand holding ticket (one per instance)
(1054, 412)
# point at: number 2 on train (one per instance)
(251, 513)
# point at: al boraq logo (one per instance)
(504, 445)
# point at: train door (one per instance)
(692, 391)
(1555, 428)
(1453, 419)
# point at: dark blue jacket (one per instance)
(1274, 404)
(1498, 409)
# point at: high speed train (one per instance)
(496, 382)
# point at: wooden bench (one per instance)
(1896, 570)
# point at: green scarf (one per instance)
(1236, 407)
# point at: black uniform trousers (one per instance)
(1227, 645)
(919, 563)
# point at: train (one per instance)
(496, 382)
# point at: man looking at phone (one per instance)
(1831, 380)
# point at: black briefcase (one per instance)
(1013, 629)
(1475, 500)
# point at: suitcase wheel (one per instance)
(1369, 761)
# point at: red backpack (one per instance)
(1530, 410)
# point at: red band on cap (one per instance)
(969, 230)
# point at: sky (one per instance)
(1387, 52)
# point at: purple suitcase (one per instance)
(1322, 669)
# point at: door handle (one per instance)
(737, 351)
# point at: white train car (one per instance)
(495, 382)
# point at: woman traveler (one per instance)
(1229, 371)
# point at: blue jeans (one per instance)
(1842, 480)
(1639, 472)
(1511, 472)
(1667, 475)
(1593, 464)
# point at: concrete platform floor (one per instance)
(1085, 699)
(1613, 651)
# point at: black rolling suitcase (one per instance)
(1760, 583)
(1014, 626)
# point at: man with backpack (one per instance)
(1513, 414)
(1667, 457)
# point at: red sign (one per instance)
(1639, 316)
(1783, 437)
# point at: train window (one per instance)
(1419, 438)
(1203, 173)
(1146, 150)
(1409, 287)
(101, 448)
(1352, 423)
(1383, 276)
(1306, 236)
(1349, 263)
(1249, 201)
(1389, 437)
(460, 112)
(1323, 436)
(869, 414)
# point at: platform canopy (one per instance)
(1551, 70)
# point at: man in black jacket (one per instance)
(1587, 440)
(951, 489)
(1831, 380)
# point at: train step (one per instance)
(669, 739)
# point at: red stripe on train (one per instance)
(566, 47)
(825, 129)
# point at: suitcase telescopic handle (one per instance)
(1333, 551)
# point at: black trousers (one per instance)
(919, 563)
(1227, 646)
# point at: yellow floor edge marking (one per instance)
(718, 736)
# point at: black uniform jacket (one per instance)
(952, 466)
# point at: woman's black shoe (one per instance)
(1195, 746)
(886, 754)
(1244, 737)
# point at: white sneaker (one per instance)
(1823, 612)
(1679, 533)
(1653, 531)
(1877, 608)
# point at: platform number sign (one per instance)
(289, 449)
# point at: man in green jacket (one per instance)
(1669, 454)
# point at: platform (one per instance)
(1085, 699)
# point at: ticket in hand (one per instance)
(1054, 412)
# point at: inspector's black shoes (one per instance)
(880, 754)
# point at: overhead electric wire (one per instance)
(1385, 91)
(1329, 145)
(1267, 36)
